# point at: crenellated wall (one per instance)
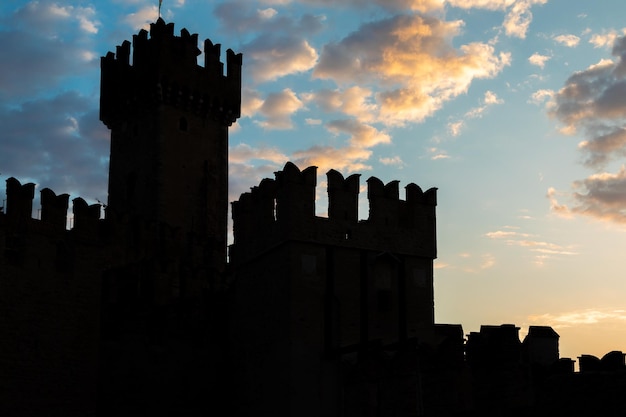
(164, 70)
(283, 209)
(50, 280)
(54, 210)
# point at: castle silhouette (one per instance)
(142, 313)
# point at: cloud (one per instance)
(347, 159)
(474, 264)
(541, 96)
(395, 160)
(601, 196)
(278, 108)
(436, 154)
(361, 135)
(70, 121)
(142, 17)
(269, 58)
(247, 165)
(490, 98)
(570, 41)
(499, 234)
(545, 250)
(488, 261)
(605, 39)
(48, 43)
(454, 128)
(519, 17)
(592, 316)
(411, 60)
(251, 102)
(538, 59)
(593, 102)
(241, 17)
(47, 18)
(354, 101)
(244, 153)
(557, 208)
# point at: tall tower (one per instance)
(169, 120)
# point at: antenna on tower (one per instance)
(160, 3)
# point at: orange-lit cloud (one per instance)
(278, 108)
(542, 248)
(412, 60)
(354, 101)
(348, 159)
(602, 196)
(583, 317)
(361, 135)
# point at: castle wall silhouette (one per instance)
(141, 313)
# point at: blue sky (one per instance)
(514, 109)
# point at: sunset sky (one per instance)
(514, 109)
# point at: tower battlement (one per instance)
(283, 209)
(54, 210)
(164, 70)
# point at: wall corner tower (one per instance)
(169, 120)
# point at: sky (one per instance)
(514, 109)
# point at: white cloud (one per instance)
(491, 98)
(519, 17)
(142, 17)
(570, 41)
(395, 160)
(538, 59)
(271, 58)
(244, 153)
(606, 39)
(540, 96)
(267, 13)
(454, 128)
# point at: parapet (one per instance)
(53, 209)
(164, 70)
(19, 200)
(283, 209)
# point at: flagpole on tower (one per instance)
(160, 3)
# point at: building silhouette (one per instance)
(139, 313)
